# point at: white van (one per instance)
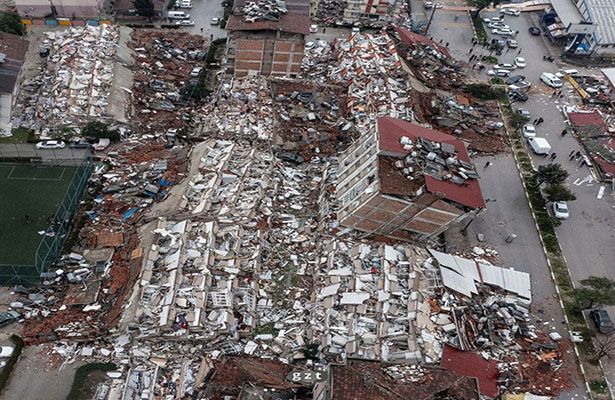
(539, 145)
(178, 15)
(551, 80)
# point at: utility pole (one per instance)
(433, 12)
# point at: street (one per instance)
(586, 236)
(201, 13)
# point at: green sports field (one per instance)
(33, 191)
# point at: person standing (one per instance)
(487, 164)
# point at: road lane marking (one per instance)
(600, 192)
(455, 24)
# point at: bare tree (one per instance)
(605, 346)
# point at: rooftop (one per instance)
(567, 12)
(441, 160)
(467, 363)
(289, 23)
(291, 16)
(602, 13)
(410, 38)
(368, 380)
(587, 118)
(14, 47)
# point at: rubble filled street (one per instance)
(328, 234)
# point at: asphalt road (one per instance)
(201, 13)
(30, 150)
(508, 211)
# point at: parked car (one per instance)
(51, 144)
(6, 351)
(292, 157)
(551, 80)
(534, 31)
(504, 66)
(215, 21)
(102, 144)
(514, 94)
(529, 130)
(564, 72)
(508, 11)
(196, 72)
(520, 62)
(428, 4)
(185, 23)
(497, 25)
(493, 19)
(512, 43)
(8, 317)
(524, 113)
(313, 28)
(184, 5)
(503, 32)
(497, 44)
(560, 210)
(81, 144)
(500, 73)
(521, 85)
(602, 320)
(514, 79)
(43, 51)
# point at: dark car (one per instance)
(514, 79)
(514, 94)
(534, 31)
(292, 157)
(603, 321)
(43, 51)
(8, 317)
(81, 144)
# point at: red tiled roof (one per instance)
(390, 131)
(410, 38)
(583, 118)
(468, 193)
(290, 23)
(14, 47)
(365, 380)
(467, 363)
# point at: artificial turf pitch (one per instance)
(33, 191)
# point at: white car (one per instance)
(51, 144)
(497, 25)
(508, 11)
(521, 85)
(503, 32)
(215, 21)
(184, 5)
(6, 351)
(313, 28)
(560, 210)
(493, 19)
(520, 62)
(185, 23)
(509, 67)
(529, 131)
(498, 72)
(196, 72)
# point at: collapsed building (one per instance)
(406, 182)
(267, 38)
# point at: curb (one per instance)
(544, 249)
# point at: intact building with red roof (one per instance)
(407, 182)
(268, 46)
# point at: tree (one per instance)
(559, 192)
(517, 120)
(145, 8)
(551, 174)
(11, 23)
(99, 130)
(594, 291)
(480, 4)
(604, 346)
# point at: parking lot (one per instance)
(201, 13)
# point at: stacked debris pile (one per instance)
(74, 82)
(329, 12)
(366, 302)
(167, 89)
(243, 109)
(263, 10)
(369, 67)
(90, 287)
(311, 118)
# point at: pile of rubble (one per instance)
(166, 90)
(242, 109)
(329, 12)
(369, 67)
(85, 293)
(74, 82)
(263, 10)
(311, 118)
